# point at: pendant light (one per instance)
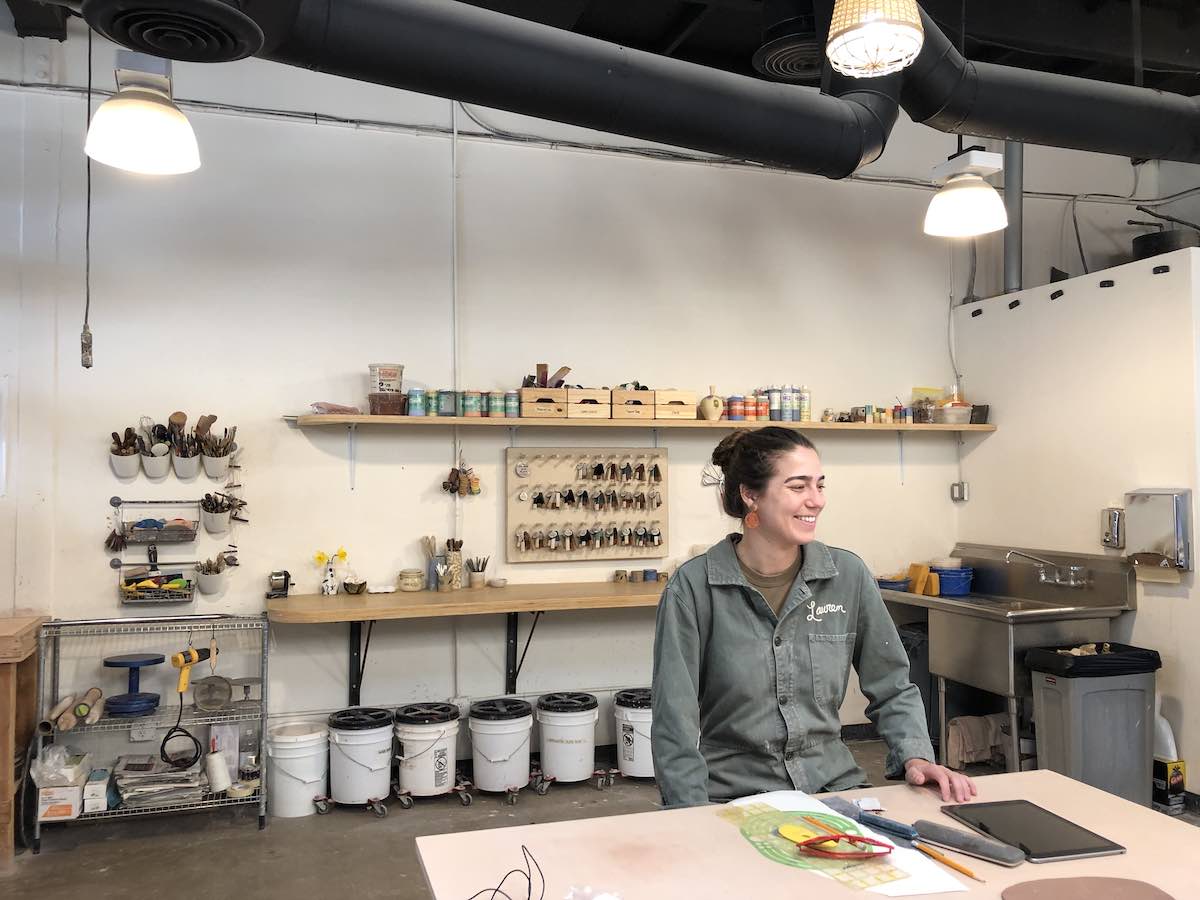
(967, 206)
(869, 38)
(139, 129)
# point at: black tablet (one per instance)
(1038, 833)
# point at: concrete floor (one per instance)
(347, 854)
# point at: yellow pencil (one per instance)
(947, 861)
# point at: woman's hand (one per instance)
(953, 785)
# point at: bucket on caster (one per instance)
(634, 716)
(360, 755)
(427, 734)
(568, 735)
(297, 767)
(500, 732)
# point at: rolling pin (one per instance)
(96, 712)
(46, 726)
(66, 721)
(84, 706)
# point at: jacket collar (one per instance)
(724, 569)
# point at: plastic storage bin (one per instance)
(954, 582)
(892, 584)
(1095, 717)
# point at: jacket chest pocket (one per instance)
(832, 656)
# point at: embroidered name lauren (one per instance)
(815, 612)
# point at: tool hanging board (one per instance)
(552, 493)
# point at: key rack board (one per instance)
(548, 470)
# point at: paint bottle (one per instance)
(416, 402)
(788, 403)
(750, 405)
(447, 403)
(471, 408)
(774, 399)
(496, 407)
(737, 408)
(512, 404)
(764, 407)
(431, 403)
(804, 404)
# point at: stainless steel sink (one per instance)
(990, 606)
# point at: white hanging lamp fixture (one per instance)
(869, 38)
(139, 129)
(966, 206)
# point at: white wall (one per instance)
(300, 252)
(1095, 395)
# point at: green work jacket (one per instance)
(746, 702)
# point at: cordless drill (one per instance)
(185, 659)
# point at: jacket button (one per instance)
(783, 701)
(778, 641)
(791, 754)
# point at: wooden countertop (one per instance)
(19, 634)
(694, 853)
(317, 608)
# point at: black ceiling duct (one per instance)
(790, 51)
(186, 30)
(452, 49)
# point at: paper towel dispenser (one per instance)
(1158, 528)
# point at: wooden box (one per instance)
(623, 411)
(589, 395)
(674, 404)
(632, 398)
(543, 403)
(589, 411)
(543, 410)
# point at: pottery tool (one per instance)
(900, 834)
(135, 702)
(946, 861)
(977, 845)
(84, 706)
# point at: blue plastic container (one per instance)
(888, 584)
(954, 582)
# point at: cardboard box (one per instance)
(1170, 783)
(59, 804)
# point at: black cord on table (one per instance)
(177, 761)
(527, 872)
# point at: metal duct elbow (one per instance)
(451, 49)
(947, 92)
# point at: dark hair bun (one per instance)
(723, 454)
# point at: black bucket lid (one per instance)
(360, 718)
(633, 698)
(426, 714)
(501, 708)
(567, 702)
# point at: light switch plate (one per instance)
(959, 492)
(139, 733)
(1112, 527)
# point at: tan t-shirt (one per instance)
(774, 588)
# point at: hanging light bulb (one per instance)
(139, 129)
(967, 206)
(869, 38)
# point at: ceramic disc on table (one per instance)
(1084, 889)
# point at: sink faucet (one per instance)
(1076, 576)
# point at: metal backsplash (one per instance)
(1110, 581)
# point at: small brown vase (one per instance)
(712, 405)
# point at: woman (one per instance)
(754, 645)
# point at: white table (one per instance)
(693, 853)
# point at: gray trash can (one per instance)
(1094, 717)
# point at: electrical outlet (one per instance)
(138, 733)
(959, 492)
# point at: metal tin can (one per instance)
(750, 408)
(737, 408)
(471, 404)
(447, 403)
(496, 405)
(416, 403)
(431, 403)
(512, 404)
(764, 408)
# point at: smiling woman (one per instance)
(755, 640)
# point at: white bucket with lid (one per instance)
(297, 767)
(568, 735)
(634, 716)
(360, 755)
(500, 731)
(427, 734)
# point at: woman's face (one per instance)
(790, 504)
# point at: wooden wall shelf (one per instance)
(315, 421)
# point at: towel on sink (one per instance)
(972, 739)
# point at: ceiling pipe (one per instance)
(949, 93)
(456, 50)
(471, 54)
(1014, 205)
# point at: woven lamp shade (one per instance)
(869, 38)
